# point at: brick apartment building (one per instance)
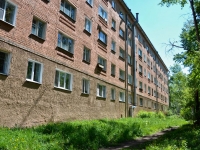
(62, 60)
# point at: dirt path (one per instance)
(136, 143)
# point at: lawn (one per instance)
(93, 134)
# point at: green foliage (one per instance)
(145, 114)
(85, 135)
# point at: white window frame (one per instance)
(129, 98)
(69, 88)
(121, 32)
(88, 25)
(6, 63)
(69, 46)
(140, 52)
(113, 4)
(90, 2)
(86, 54)
(121, 74)
(37, 26)
(102, 62)
(101, 92)
(31, 79)
(85, 86)
(130, 79)
(140, 85)
(102, 36)
(103, 13)
(113, 46)
(113, 68)
(3, 10)
(121, 53)
(113, 95)
(141, 101)
(121, 96)
(129, 60)
(72, 9)
(113, 24)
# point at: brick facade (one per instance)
(25, 103)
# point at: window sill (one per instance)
(87, 32)
(121, 79)
(121, 58)
(112, 100)
(113, 75)
(113, 51)
(85, 61)
(113, 29)
(100, 98)
(65, 51)
(88, 4)
(105, 44)
(121, 101)
(62, 89)
(33, 81)
(121, 37)
(11, 25)
(37, 37)
(71, 19)
(4, 74)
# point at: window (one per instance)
(63, 80)
(65, 43)
(113, 69)
(149, 90)
(113, 4)
(154, 93)
(129, 24)
(129, 60)
(113, 45)
(85, 86)
(68, 9)
(103, 13)
(129, 98)
(148, 62)
(141, 102)
(121, 33)
(121, 74)
(139, 38)
(140, 53)
(122, 53)
(129, 42)
(149, 75)
(145, 58)
(129, 79)
(88, 25)
(145, 72)
(121, 96)
(34, 71)
(4, 63)
(102, 62)
(112, 94)
(145, 88)
(90, 2)
(113, 24)
(102, 37)
(101, 91)
(38, 28)
(140, 85)
(121, 15)
(86, 54)
(140, 69)
(7, 12)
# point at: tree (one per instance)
(190, 42)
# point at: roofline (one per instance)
(146, 37)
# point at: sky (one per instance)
(161, 24)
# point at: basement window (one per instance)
(4, 62)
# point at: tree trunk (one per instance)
(195, 20)
(197, 107)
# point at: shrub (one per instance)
(145, 114)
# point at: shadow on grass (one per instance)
(185, 137)
(91, 135)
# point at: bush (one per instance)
(145, 114)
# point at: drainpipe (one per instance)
(126, 67)
(134, 85)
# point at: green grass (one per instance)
(84, 135)
(186, 137)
